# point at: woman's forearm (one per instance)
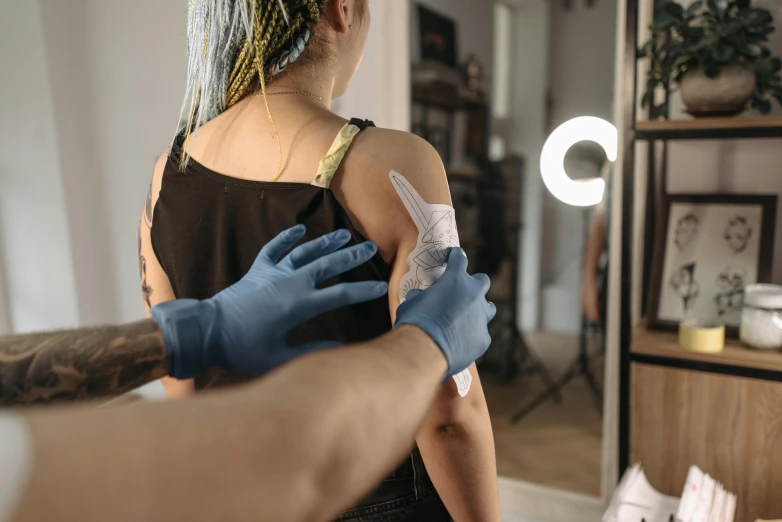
(304, 443)
(460, 459)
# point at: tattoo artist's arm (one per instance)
(80, 364)
(303, 444)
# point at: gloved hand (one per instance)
(454, 312)
(244, 327)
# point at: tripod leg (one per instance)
(553, 391)
(586, 371)
(540, 368)
(592, 382)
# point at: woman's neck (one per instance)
(321, 86)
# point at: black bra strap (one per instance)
(361, 124)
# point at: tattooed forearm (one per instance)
(80, 364)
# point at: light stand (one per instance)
(582, 193)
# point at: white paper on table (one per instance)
(690, 494)
(730, 509)
(437, 235)
(705, 500)
(635, 499)
(716, 505)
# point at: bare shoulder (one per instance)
(365, 189)
(377, 152)
(154, 186)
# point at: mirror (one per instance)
(490, 82)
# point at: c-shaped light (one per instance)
(581, 192)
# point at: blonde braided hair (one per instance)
(230, 43)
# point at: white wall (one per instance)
(525, 138)
(581, 82)
(117, 97)
(34, 241)
(381, 89)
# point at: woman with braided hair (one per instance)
(259, 151)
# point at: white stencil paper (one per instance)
(436, 236)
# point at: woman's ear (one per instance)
(343, 14)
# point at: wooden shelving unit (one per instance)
(676, 408)
(666, 345)
(710, 128)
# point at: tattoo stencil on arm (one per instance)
(436, 236)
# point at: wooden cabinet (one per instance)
(729, 426)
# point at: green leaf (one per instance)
(645, 50)
(757, 37)
(663, 21)
(710, 67)
(754, 50)
(676, 10)
(681, 61)
(764, 66)
(660, 4)
(758, 17)
(732, 27)
(694, 8)
(764, 106)
(724, 54)
(659, 111)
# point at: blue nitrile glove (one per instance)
(454, 312)
(244, 327)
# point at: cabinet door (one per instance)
(728, 426)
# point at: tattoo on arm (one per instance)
(148, 208)
(80, 364)
(146, 290)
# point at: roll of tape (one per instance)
(703, 337)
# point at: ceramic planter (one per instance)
(726, 95)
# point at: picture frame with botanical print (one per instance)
(710, 247)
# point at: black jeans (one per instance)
(408, 495)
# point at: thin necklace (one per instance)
(304, 93)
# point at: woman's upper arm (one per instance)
(373, 203)
(155, 286)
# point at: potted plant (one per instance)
(715, 51)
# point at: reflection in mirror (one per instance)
(489, 85)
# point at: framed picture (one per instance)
(438, 37)
(709, 249)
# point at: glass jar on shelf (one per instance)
(761, 317)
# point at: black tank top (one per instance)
(208, 229)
